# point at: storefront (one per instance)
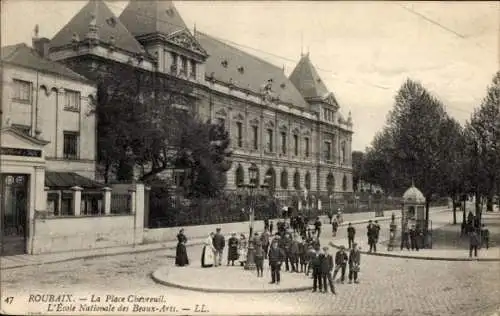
(22, 189)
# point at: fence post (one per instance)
(107, 200)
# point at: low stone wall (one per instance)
(60, 234)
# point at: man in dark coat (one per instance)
(341, 259)
(370, 233)
(351, 233)
(294, 254)
(316, 269)
(354, 263)
(473, 242)
(326, 270)
(276, 256)
(317, 227)
(287, 245)
(335, 226)
(413, 238)
(264, 238)
(405, 238)
(219, 244)
(232, 251)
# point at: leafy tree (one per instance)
(483, 146)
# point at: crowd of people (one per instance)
(295, 247)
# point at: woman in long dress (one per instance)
(232, 251)
(181, 257)
(242, 250)
(207, 255)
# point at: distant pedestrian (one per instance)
(232, 249)
(326, 270)
(181, 257)
(485, 236)
(219, 244)
(294, 254)
(264, 237)
(341, 259)
(310, 255)
(259, 255)
(316, 270)
(335, 226)
(330, 216)
(351, 233)
(473, 243)
(276, 256)
(317, 227)
(271, 227)
(242, 249)
(354, 263)
(376, 231)
(413, 238)
(405, 238)
(207, 254)
(371, 235)
(266, 224)
(287, 247)
(302, 255)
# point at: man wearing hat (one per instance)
(341, 259)
(276, 256)
(326, 270)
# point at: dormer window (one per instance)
(224, 63)
(241, 70)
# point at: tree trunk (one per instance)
(427, 207)
(478, 207)
(454, 211)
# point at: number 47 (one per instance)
(9, 300)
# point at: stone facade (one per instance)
(289, 128)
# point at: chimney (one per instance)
(41, 45)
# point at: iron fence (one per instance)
(121, 203)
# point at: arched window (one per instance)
(330, 183)
(253, 174)
(284, 179)
(271, 175)
(308, 181)
(296, 180)
(344, 183)
(240, 176)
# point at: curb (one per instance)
(163, 248)
(390, 255)
(228, 291)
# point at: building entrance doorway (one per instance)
(14, 211)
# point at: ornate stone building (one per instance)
(289, 128)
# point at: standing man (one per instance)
(351, 233)
(473, 242)
(354, 263)
(316, 267)
(317, 227)
(405, 236)
(259, 255)
(276, 256)
(219, 244)
(370, 233)
(326, 270)
(377, 233)
(330, 215)
(264, 238)
(294, 254)
(335, 226)
(287, 247)
(413, 238)
(341, 260)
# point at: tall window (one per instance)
(308, 181)
(284, 179)
(239, 133)
(192, 74)
(70, 150)
(255, 136)
(283, 143)
(173, 67)
(306, 141)
(22, 90)
(184, 65)
(72, 100)
(328, 151)
(296, 145)
(296, 180)
(270, 140)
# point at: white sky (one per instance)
(363, 50)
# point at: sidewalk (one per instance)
(11, 262)
(441, 249)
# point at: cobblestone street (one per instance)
(389, 286)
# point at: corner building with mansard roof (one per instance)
(289, 128)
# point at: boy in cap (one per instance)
(326, 270)
(341, 259)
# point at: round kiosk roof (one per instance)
(413, 195)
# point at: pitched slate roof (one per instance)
(108, 25)
(306, 79)
(152, 16)
(68, 180)
(247, 71)
(24, 56)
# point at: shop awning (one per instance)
(66, 180)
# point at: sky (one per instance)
(362, 50)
